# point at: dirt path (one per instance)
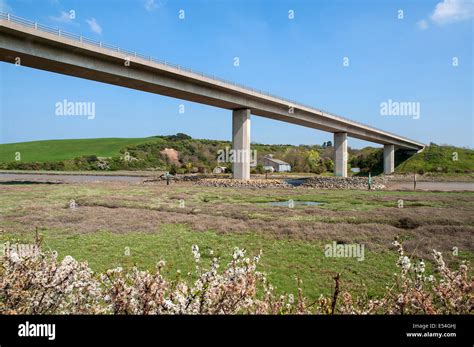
(432, 186)
(7, 178)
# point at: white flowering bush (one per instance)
(449, 292)
(42, 284)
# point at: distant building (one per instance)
(277, 164)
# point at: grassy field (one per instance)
(56, 150)
(147, 219)
(283, 259)
(440, 159)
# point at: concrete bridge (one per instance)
(44, 48)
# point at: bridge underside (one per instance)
(50, 52)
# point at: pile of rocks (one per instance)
(233, 183)
(184, 178)
(198, 177)
(344, 183)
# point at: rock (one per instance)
(344, 183)
(234, 183)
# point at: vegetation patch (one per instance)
(181, 154)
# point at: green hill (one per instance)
(57, 150)
(442, 159)
(200, 155)
(187, 154)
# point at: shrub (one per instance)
(259, 169)
(41, 284)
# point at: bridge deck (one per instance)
(53, 50)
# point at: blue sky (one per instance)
(407, 59)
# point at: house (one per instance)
(277, 164)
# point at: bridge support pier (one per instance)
(388, 159)
(241, 144)
(340, 154)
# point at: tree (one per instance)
(179, 137)
(259, 169)
(297, 160)
(189, 167)
(312, 160)
(329, 164)
(173, 169)
(182, 136)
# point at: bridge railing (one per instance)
(291, 103)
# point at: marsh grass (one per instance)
(146, 218)
(284, 259)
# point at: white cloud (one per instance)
(64, 17)
(94, 26)
(422, 24)
(4, 7)
(150, 5)
(451, 11)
